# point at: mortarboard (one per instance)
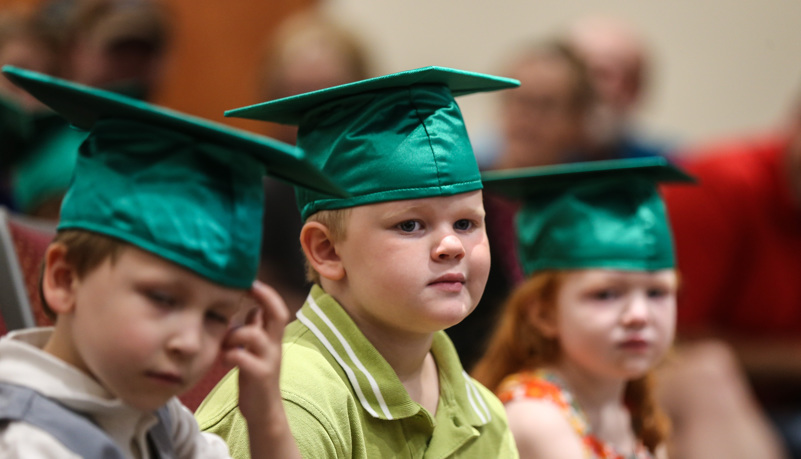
(186, 189)
(398, 136)
(600, 214)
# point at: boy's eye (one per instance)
(161, 298)
(217, 317)
(409, 226)
(463, 225)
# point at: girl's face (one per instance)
(614, 324)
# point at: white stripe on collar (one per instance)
(348, 370)
(473, 395)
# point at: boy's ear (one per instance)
(543, 318)
(320, 250)
(59, 280)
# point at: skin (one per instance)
(147, 330)
(108, 64)
(612, 326)
(540, 120)
(25, 52)
(423, 258)
(616, 57)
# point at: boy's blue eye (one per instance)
(408, 226)
(463, 225)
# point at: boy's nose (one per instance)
(449, 247)
(187, 341)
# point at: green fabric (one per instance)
(185, 189)
(399, 136)
(45, 171)
(604, 214)
(336, 410)
(164, 192)
(84, 106)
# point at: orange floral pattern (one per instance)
(545, 385)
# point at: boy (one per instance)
(367, 370)
(157, 249)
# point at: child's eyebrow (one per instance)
(407, 209)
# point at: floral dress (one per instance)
(545, 385)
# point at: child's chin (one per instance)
(149, 403)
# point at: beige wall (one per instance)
(722, 66)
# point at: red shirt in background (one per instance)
(738, 240)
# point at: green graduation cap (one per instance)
(399, 136)
(602, 214)
(183, 188)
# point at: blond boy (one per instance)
(367, 370)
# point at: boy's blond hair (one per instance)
(86, 251)
(335, 220)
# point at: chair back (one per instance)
(23, 242)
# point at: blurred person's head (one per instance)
(25, 42)
(310, 51)
(543, 121)
(118, 44)
(617, 58)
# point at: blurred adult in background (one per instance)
(308, 51)
(619, 62)
(738, 241)
(119, 45)
(542, 122)
(27, 42)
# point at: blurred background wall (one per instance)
(719, 66)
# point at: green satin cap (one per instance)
(183, 188)
(602, 214)
(398, 136)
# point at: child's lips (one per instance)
(636, 344)
(166, 377)
(452, 282)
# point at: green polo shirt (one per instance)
(343, 400)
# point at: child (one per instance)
(572, 354)
(367, 370)
(156, 253)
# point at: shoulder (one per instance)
(19, 440)
(734, 159)
(220, 406)
(318, 398)
(541, 429)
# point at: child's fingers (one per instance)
(251, 338)
(274, 312)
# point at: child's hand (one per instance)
(255, 348)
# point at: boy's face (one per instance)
(414, 266)
(146, 329)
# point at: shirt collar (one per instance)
(373, 380)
